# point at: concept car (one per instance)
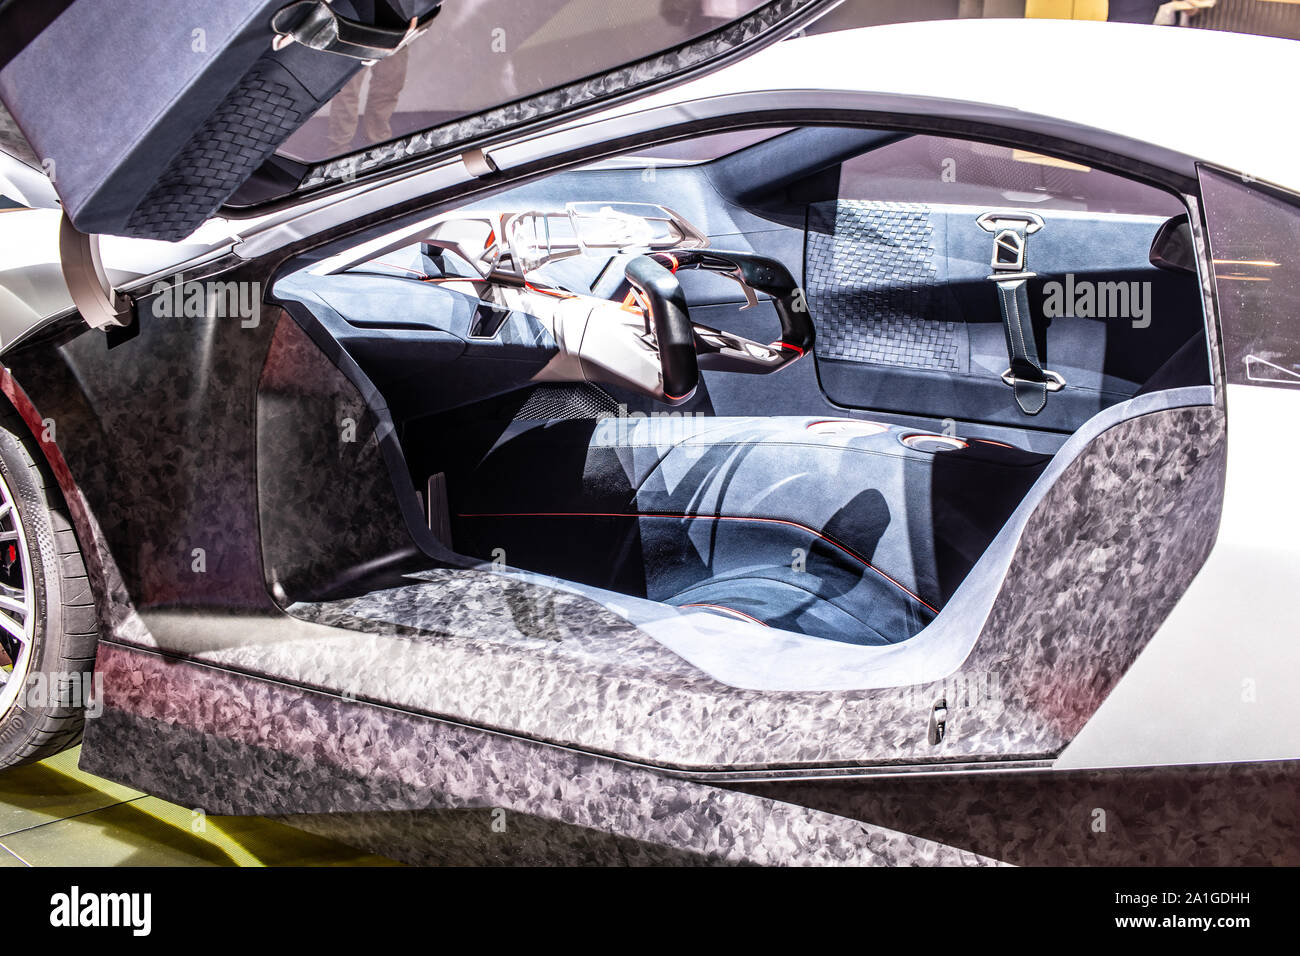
(628, 438)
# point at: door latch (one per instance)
(938, 721)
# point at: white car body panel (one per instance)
(1216, 684)
(32, 287)
(1128, 79)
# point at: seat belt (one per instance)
(1025, 373)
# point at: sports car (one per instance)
(630, 438)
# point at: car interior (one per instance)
(796, 377)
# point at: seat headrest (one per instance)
(1173, 247)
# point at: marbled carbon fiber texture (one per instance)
(501, 652)
(1218, 815)
(227, 743)
(313, 426)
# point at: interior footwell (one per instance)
(847, 531)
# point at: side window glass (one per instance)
(1254, 232)
(687, 152)
(939, 170)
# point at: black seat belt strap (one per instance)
(1025, 373)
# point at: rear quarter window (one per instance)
(1254, 234)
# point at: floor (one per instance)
(53, 814)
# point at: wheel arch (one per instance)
(19, 410)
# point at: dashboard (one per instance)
(511, 299)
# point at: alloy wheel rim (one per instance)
(17, 602)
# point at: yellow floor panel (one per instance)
(8, 859)
(53, 814)
(53, 790)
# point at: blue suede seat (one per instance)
(853, 538)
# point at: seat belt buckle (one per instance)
(1010, 229)
(1008, 252)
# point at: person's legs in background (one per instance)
(343, 114)
(387, 77)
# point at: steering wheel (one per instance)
(684, 348)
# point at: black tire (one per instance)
(46, 713)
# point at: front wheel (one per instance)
(48, 626)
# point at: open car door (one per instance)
(149, 117)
